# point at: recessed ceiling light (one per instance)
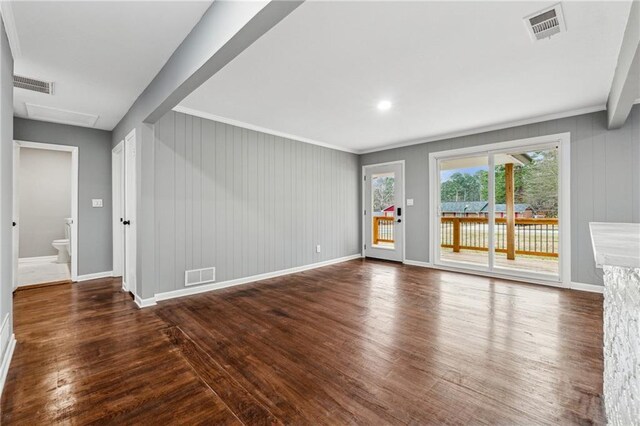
(384, 105)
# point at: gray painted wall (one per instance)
(207, 48)
(45, 199)
(94, 149)
(247, 202)
(6, 181)
(605, 179)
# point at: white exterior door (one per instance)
(384, 211)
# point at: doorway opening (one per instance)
(503, 209)
(383, 197)
(45, 211)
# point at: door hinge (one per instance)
(364, 177)
(365, 212)
(365, 246)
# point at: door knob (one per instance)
(126, 222)
(399, 220)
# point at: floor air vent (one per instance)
(545, 23)
(33, 84)
(199, 276)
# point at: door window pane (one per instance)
(464, 197)
(526, 211)
(383, 208)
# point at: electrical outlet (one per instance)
(318, 248)
(96, 202)
(409, 201)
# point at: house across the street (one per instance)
(481, 209)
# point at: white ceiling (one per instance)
(447, 67)
(100, 55)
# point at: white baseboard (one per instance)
(7, 345)
(38, 259)
(6, 361)
(95, 276)
(216, 286)
(593, 288)
(144, 303)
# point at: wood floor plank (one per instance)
(244, 406)
(362, 342)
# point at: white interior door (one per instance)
(16, 213)
(73, 247)
(117, 177)
(130, 224)
(384, 211)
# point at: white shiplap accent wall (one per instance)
(247, 202)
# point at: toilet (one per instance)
(64, 245)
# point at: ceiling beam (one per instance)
(626, 79)
(6, 10)
(225, 30)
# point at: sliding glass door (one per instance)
(498, 210)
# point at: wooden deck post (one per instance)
(511, 214)
(376, 226)
(456, 235)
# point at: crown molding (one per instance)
(444, 136)
(478, 130)
(232, 122)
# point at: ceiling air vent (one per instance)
(33, 84)
(545, 23)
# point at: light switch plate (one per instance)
(409, 202)
(96, 202)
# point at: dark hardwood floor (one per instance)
(359, 342)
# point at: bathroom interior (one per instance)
(44, 212)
